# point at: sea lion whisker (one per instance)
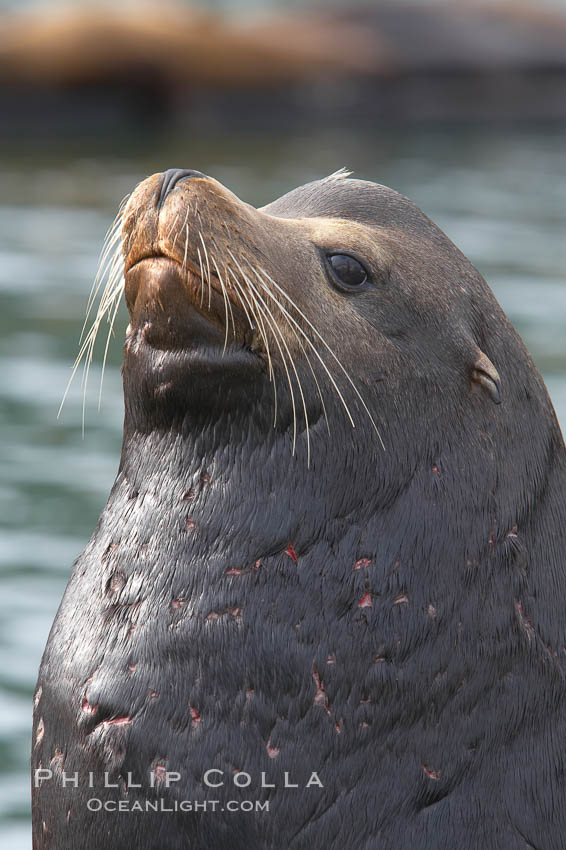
(208, 269)
(272, 324)
(84, 382)
(293, 366)
(180, 230)
(275, 331)
(310, 343)
(259, 320)
(251, 321)
(201, 277)
(340, 174)
(307, 358)
(318, 388)
(110, 240)
(108, 307)
(112, 235)
(110, 285)
(302, 347)
(227, 285)
(115, 274)
(86, 343)
(333, 355)
(109, 296)
(227, 306)
(170, 231)
(111, 245)
(251, 295)
(115, 308)
(184, 266)
(113, 286)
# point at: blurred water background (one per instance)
(498, 190)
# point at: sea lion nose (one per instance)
(172, 177)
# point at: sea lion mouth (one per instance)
(171, 308)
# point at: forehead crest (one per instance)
(341, 196)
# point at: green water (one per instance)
(500, 196)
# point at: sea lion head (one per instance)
(338, 315)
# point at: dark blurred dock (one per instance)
(83, 71)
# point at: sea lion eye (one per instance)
(349, 274)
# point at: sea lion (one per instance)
(330, 579)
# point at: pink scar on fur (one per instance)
(431, 611)
(37, 697)
(118, 721)
(435, 469)
(272, 752)
(116, 583)
(108, 551)
(234, 613)
(401, 599)
(432, 774)
(362, 563)
(40, 732)
(331, 659)
(524, 621)
(290, 550)
(195, 716)
(258, 564)
(87, 707)
(513, 532)
(190, 525)
(57, 761)
(160, 772)
(320, 697)
(366, 600)
(234, 571)
(153, 695)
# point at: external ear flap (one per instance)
(485, 374)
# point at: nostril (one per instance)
(172, 177)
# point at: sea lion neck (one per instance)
(247, 498)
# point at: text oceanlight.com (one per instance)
(161, 805)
